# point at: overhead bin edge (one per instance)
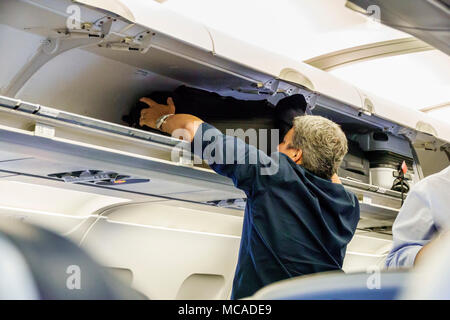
(114, 6)
(152, 15)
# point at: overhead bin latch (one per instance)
(105, 24)
(428, 146)
(141, 42)
(367, 107)
(182, 157)
(274, 86)
(427, 128)
(119, 41)
(311, 101)
(409, 134)
(103, 29)
(144, 39)
(271, 86)
(84, 30)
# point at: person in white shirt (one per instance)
(425, 215)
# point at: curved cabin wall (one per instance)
(173, 249)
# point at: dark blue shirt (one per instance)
(295, 222)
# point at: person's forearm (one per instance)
(421, 253)
(429, 246)
(182, 125)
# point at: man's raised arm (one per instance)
(226, 155)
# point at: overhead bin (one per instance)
(418, 122)
(72, 145)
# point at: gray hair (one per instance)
(322, 142)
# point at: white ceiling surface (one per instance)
(303, 29)
(300, 29)
(416, 80)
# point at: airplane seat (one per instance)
(39, 264)
(386, 285)
(16, 279)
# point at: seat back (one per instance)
(54, 266)
(337, 286)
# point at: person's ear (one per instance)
(297, 156)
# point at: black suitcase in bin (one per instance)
(232, 113)
(355, 165)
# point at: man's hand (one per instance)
(186, 122)
(155, 110)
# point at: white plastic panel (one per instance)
(180, 215)
(52, 200)
(63, 211)
(20, 45)
(299, 29)
(442, 113)
(165, 245)
(366, 251)
(6, 174)
(202, 287)
(72, 227)
(183, 63)
(10, 156)
(91, 85)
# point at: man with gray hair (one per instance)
(298, 218)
